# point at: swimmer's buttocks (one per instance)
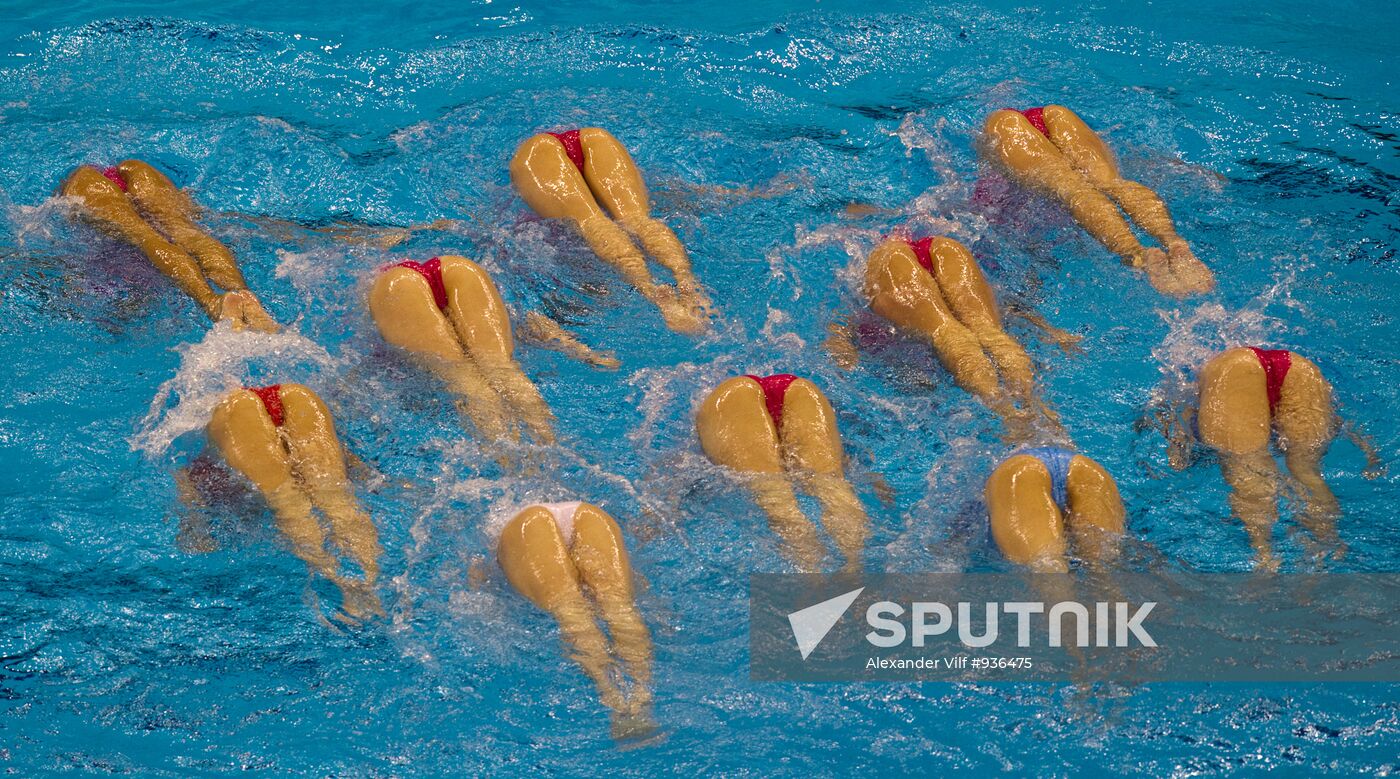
(922, 249)
(271, 397)
(1275, 363)
(115, 176)
(573, 147)
(431, 271)
(1036, 116)
(774, 388)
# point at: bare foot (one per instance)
(358, 601)
(633, 727)
(1193, 274)
(692, 294)
(679, 316)
(242, 308)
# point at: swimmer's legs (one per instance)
(1306, 424)
(1234, 421)
(112, 211)
(1096, 513)
(970, 297)
(600, 557)
(537, 564)
(812, 443)
(404, 310)
(549, 183)
(1026, 524)
(617, 184)
(482, 324)
(902, 292)
(243, 433)
(1088, 154)
(172, 212)
(1033, 161)
(319, 461)
(735, 431)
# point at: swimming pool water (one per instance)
(1271, 132)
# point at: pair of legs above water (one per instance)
(1052, 151)
(448, 313)
(778, 430)
(1249, 397)
(570, 560)
(283, 440)
(136, 203)
(1034, 495)
(578, 175)
(934, 288)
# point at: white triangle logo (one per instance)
(810, 625)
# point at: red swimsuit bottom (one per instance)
(572, 147)
(271, 397)
(1036, 116)
(1275, 363)
(432, 271)
(115, 176)
(774, 388)
(921, 251)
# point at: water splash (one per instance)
(224, 360)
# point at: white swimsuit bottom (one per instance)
(563, 517)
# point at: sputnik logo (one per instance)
(810, 625)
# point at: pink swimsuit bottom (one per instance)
(572, 147)
(1275, 363)
(774, 389)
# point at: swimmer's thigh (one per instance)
(476, 310)
(735, 429)
(1026, 524)
(1082, 146)
(548, 181)
(1234, 403)
(810, 436)
(612, 175)
(531, 551)
(1305, 415)
(1096, 513)
(310, 435)
(403, 308)
(963, 284)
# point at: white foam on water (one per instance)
(1196, 334)
(211, 368)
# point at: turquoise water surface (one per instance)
(1271, 131)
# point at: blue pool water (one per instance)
(1271, 132)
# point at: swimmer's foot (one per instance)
(358, 602)
(679, 315)
(241, 307)
(1194, 275)
(634, 728)
(840, 344)
(1266, 562)
(1177, 273)
(695, 297)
